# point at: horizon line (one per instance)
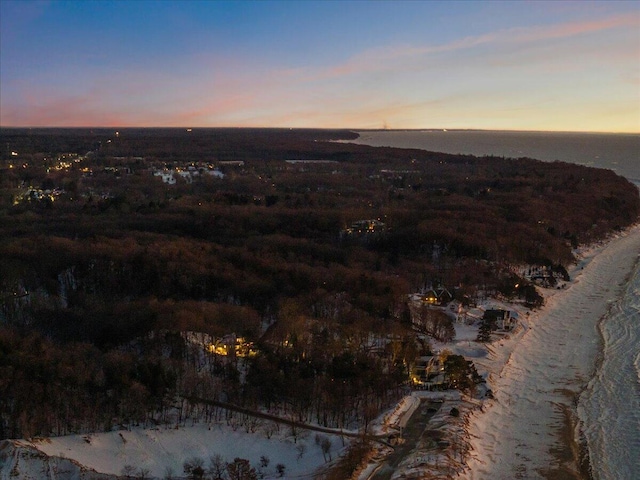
(352, 129)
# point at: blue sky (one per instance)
(498, 65)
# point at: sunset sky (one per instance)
(572, 66)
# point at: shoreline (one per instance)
(564, 453)
(599, 151)
(557, 448)
(614, 331)
(582, 458)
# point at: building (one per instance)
(366, 227)
(504, 319)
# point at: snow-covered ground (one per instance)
(537, 373)
(164, 450)
(534, 371)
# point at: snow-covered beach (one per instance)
(528, 430)
(557, 409)
(572, 370)
(537, 373)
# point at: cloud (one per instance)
(387, 58)
(213, 110)
(78, 111)
(460, 83)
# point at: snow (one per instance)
(537, 371)
(168, 448)
(19, 460)
(533, 372)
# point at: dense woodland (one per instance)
(104, 268)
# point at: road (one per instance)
(287, 421)
(412, 434)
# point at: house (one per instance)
(367, 227)
(444, 296)
(167, 176)
(187, 175)
(430, 297)
(231, 163)
(427, 372)
(215, 173)
(504, 319)
(437, 296)
(365, 230)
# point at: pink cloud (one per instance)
(213, 90)
(50, 110)
(214, 109)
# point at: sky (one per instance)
(521, 65)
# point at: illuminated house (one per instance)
(439, 296)
(427, 371)
(232, 346)
(366, 228)
(430, 297)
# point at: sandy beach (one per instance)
(529, 429)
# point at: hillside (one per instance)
(291, 255)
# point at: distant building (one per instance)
(293, 162)
(366, 227)
(188, 174)
(231, 163)
(166, 175)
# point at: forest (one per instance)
(144, 269)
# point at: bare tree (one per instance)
(169, 473)
(217, 467)
(194, 468)
(325, 444)
(241, 469)
(128, 471)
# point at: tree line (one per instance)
(99, 285)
